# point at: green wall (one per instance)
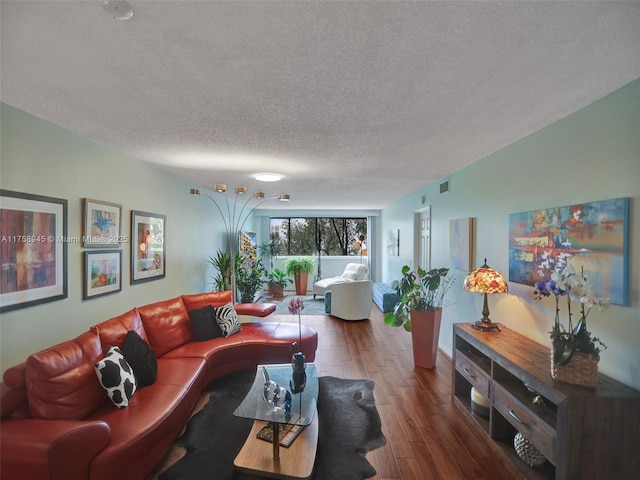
(40, 158)
(591, 155)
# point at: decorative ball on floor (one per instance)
(527, 451)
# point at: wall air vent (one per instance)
(444, 186)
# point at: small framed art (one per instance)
(33, 250)
(147, 246)
(393, 242)
(461, 243)
(101, 224)
(102, 273)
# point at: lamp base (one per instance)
(486, 325)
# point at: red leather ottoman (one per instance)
(255, 309)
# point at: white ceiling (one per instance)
(356, 103)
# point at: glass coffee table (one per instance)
(268, 459)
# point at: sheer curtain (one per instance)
(373, 247)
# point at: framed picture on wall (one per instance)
(248, 244)
(102, 273)
(393, 242)
(461, 243)
(591, 236)
(101, 224)
(148, 256)
(33, 250)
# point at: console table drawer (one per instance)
(472, 373)
(525, 421)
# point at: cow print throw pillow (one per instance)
(141, 358)
(116, 377)
(227, 319)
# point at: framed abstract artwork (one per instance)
(102, 273)
(393, 242)
(461, 243)
(148, 256)
(592, 236)
(102, 224)
(33, 250)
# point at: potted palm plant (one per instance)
(419, 310)
(221, 263)
(268, 250)
(299, 268)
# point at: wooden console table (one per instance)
(584, 433)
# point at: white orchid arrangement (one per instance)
(575, 287)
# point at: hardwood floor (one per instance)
(428, 437)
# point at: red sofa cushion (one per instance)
(62, 382)
(113, 331)
(167, 325)
(199, 300)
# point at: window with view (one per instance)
(330, 236)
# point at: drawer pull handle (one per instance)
(512, 413)
(469, 373)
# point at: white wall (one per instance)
(40, 158)
(591, 155)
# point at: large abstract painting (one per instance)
(593, 236)
(33, 251)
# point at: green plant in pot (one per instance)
(419, 310)
(277, 282)
(299, 268)
(269, 250)
(222, 264)
(575, 343)
(249, 277)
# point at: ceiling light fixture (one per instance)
(118, 9)
(268, 177)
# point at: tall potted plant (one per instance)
(268, 250)
(419, 310)
(249, 277)
(299, 268)
(221, 263)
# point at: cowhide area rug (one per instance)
(349, 427)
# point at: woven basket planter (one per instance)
(581, 370)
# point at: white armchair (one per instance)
(351, 300)
(352, 272)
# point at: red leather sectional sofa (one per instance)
(58, 423)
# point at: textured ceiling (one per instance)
(356, 103)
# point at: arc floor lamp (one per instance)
(235, 219)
